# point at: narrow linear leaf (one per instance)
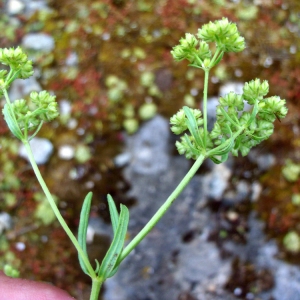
(219, 58)
(194, 150)
(13, 127)
(113, 272)
(82, 229)
(215, 160)
(114, 215)
(192, 126)
(254, 113)
(109, 262)
(97, 266)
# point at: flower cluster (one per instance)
(255, 125)
(22, 116)
(195, 143)
(42, 108)
(197, 52)
(191, 49)
(18, 62)
(235, 130)
(224, 34)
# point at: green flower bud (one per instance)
(244, 119)
(186, 49)
(189, 42)
(264, 129)
(216, 131)
(273, 108)
(20, 108)
(224, 34)
(184, 148)
(232, 100)
(179, 120)
(17, 61)
(203, 51)
(26, 70)
(255, 90)
(45, 102)
(2, 74)
(206, 63)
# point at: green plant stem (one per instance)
(163, 209)
(204, 108)
(96, 287)
(56, 210)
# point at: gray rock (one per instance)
(38, 42)
(176, 261)
(5, 221)
(15, 7)
(236, 87)
(41, 149)
(22, 87)
(264, 161)
(33, 6)
(149, 147)
(211, 111)
(122, 159)
(216, 182)
(175, 258)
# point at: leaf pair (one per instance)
(109, 265)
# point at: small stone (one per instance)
(41, 149)
(217, 181)
(21, 88)
(66, 152)
(5, 221)
(122, 159)
(38, 42)
(65, 107)
(232, 216)
(236, 87)
(15, 7)
(20, 246)
(147, 111)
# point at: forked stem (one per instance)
(56, 210)
(163, 209)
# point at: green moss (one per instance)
(291, 242)
(291, 171)
(147, 111)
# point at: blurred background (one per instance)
(108, 62)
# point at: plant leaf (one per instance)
(192, 126)
(14, 128)
(113, 272)
(114, 215)
(109, 262)
(82, 229)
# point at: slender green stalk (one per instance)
(205, 105)
(56, 210)
(96, 287)
(163, 209)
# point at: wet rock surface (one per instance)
(178, 259)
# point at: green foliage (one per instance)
(10, 271)
(22, 116)
(43, 211)
(236, 129)
(224, 34)
(18, 62)
(82, 229)
(291, 242)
